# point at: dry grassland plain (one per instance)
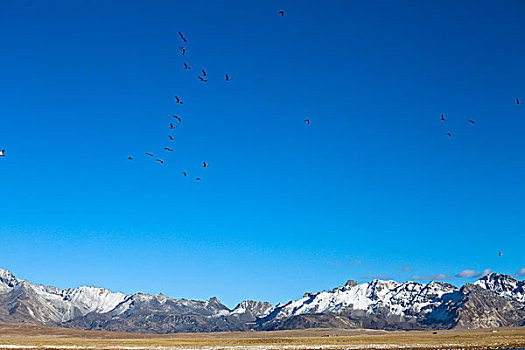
(33, 337)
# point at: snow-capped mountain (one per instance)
(503, 285)
(494, 300)
(94, 307)
(390, 299)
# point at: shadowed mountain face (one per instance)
(493, 301)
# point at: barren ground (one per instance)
(31, 337)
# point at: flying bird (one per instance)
(473, 122)
(2, 153)
(178, 100)
(183, 50)
(518, 101)
(168, 149)
(160, 161)
(177, 117)
(202, 79)
(227, 78)
(184, 173)
(205, 165)
(449, 134)
(183, 38)
(443, 118)
(172, 126)
(198, 178)
(186, 66)
(204, 73)
(281, 13)
(171, 137)
(130, 158)
(307, 121)
(500, 254)
(149, 154)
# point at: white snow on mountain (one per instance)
(393, 298)
(503, 285)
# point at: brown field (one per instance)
(27, 337)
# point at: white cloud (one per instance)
(521, 272)
(377, 275)
(440, 276)
(473, 273)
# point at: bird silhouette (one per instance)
(178, 100)
(473, 122)
(227, 78)
(177, 117)
(518, 101)
(204, 73)
(443, 118)
(205, 165)
(149, 154)
(307, 121)
(202, 79)
(168, 149)
(160, 161)
(184, 173)
(130, 158)
(183, 38)
(198, 178)
(172, 126)
(186, 66)
(171, 137)
(2, 153)
(449, 134)
(183, 50)
(281, 13)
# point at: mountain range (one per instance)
(494, 300)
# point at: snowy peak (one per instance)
(503, 285)
(390, 299)
(255, 309)
(93, 299)
(7, 280)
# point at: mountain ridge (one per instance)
(493, 300)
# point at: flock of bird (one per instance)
(449, 134)
(204, 79)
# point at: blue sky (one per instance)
(372, 187)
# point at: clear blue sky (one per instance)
(372, 186)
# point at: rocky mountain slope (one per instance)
(492, 301)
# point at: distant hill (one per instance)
(493, 301)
